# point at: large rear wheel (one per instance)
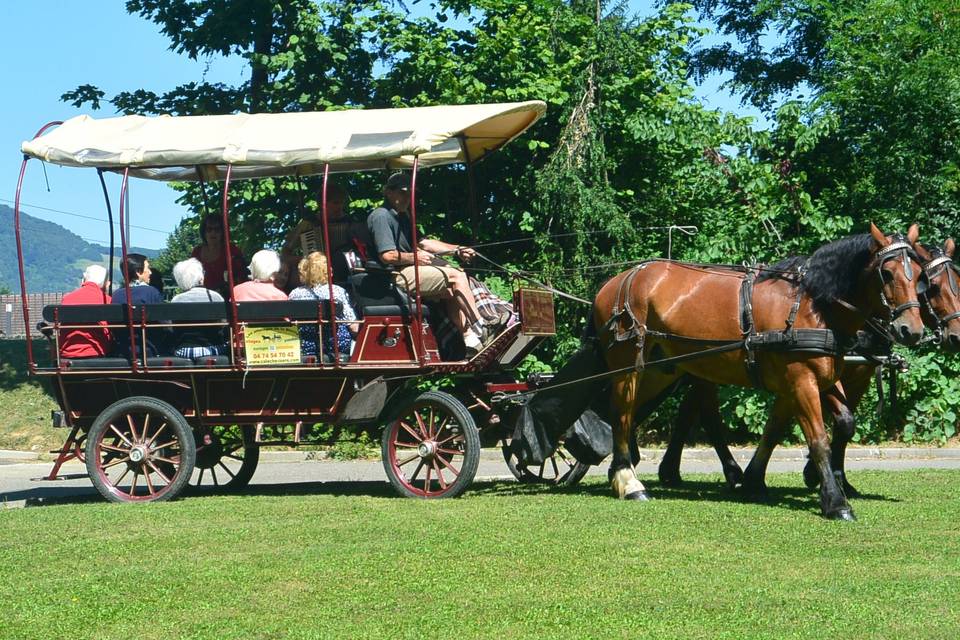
(433, 449)
(140, 449)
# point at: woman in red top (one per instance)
(210, 254)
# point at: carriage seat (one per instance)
(375, 293)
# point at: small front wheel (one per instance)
(433, 449)
(140, 449)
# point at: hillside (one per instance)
(54, 257)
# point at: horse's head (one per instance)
(898, 271)
(939, 291)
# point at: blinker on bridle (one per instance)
(898, 248)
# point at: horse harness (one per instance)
(941, 263)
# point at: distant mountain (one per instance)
(53, 257)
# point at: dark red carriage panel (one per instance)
(385, 340)
(237, 396)
(312, 396)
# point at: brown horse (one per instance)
(662, 320)
(939, 293)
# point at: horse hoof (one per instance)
(734, 477)
(810, 476)
(670, 479)
(845, 514)
(641, 496)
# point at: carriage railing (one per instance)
(159, 324)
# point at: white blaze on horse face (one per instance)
(625, 482)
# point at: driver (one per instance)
(390, 232)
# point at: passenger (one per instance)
(136, 271)
(390, 230)
(87, 343)
(264, 268)
(196, 342)
(210, 254)
(307, 236)
(313, 275)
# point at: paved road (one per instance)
(290, 472)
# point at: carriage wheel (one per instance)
(227, 457)
(560, 469)
(433, 449)
(140, 449)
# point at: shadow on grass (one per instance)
(13, 364)
(792, 498)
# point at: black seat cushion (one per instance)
(375, 294)
(95, 363)
(212, 361)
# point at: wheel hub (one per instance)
(138, 454)
(427, 449)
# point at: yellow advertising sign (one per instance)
(272, 345)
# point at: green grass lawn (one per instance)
(506, 560)
(25, 404)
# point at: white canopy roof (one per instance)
(266, 144)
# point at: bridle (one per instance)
(941, 263)
(898, 249)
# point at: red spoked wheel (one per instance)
(433, 449)
(140, 449)
(561, 469)
(227, 457)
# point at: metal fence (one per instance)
(11, 313)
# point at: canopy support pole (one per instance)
(234, 326)
(106, 198)
(31, 365)
(418, 329)
(471, 190)
(327, 250)
(126, 278)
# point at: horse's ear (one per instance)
(949, 247)
(913, 233)
(921, 250)
(878, 236)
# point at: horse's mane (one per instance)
(834, 269)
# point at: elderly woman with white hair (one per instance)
(196, 342)
(264, 267)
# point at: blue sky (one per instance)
(98, 43)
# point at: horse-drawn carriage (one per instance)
(147, 427)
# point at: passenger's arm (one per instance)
(441, 247)
(404, 259)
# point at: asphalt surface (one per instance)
(21, 481)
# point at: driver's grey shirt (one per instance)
(389, 231)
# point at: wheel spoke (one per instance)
(160, 473)
(225, 468)
(200, 479)
(213, 472)
(450, 452)
(410, 430)
(426, 483)
(156, 433)
(122, 476)
(417, 471)
(133, 429)
(413, 457)
(556, 471)
(542, 465)
(166, 444)
(436, 468)
(167, 460)
(115, 462)
(406, 445)
(146, 474)
(446, 463)
(423, 427)
(121, 436)
(146, 427)
(430, 432)
(453, 436)
(133, 484)
(233, 457)
(110, 447)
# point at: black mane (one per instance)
(834, 270)
(786, 269)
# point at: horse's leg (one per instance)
(754, 483)
(688, 415)
(840, 403)
(713, 426)
(833, 504)
(625, 397)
